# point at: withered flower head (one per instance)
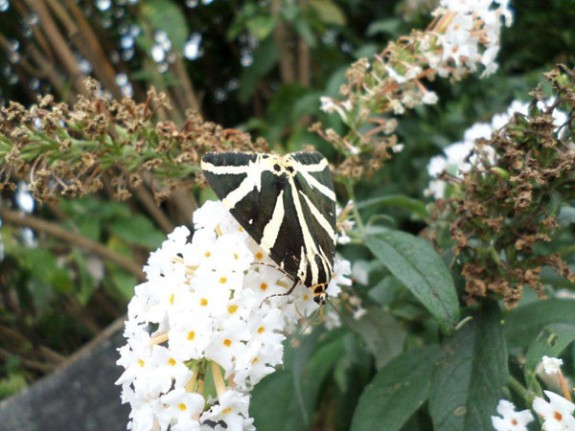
(506, 211)
(100, 140)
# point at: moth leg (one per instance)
(282, 294)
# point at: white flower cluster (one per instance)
(208, 306)
(464, 35)
(469, 34)
(556, 414)
(460, 156)
(458, 159)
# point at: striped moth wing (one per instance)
(286, 204)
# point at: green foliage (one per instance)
(425, 355)
(396, 392)
(468, 381)
(11, 385)
(165, 15)
(415, 263)
(286, 400)
(54, 295)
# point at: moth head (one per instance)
(279, 165)
(320, 293)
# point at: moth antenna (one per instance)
(340, 314)
(308, 321)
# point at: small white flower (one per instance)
(430, 98)
(327, 104)
(397, 148)
(232, 409)
(331, 320)
(565, 294)
(181, 409)
(510, 420)
(360, 272)
(392, 73)
(557, 414)
(330, 105)
(359, 313)
(397, 107)
(551, 365)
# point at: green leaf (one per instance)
(414, 206)
(12, 384)
(414, 261)
(389, 26)
(261, 26)
(122, 286)
(285, 400)
(48, 273)
(523, 324)
(334, 82)
(265, 58)
(138, 230)
(85, 283)
(165, 15)
(396, 392)
(307, 104)
(469, 379)
(328, 12)
(273, 405)
(304, 29)
(552, 340)
(383, 335)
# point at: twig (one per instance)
(303, 54)
(86, 41)
(49, 72)
(185, 203)
(153, 210)
(28, 363)
(281, 36)
(51, 355)
(186, 85)
(72, 238)
(60, 45)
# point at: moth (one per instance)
(286, 204)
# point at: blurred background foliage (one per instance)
(250, 65)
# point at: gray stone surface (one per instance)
(81, 396)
